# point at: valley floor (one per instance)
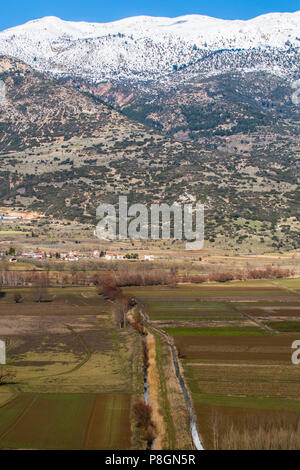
(234, 343)
(75, 376)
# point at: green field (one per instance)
(254, 290)
(285, 327)
(193, 310)
(247, 402)
(236, 358)
(216, 331)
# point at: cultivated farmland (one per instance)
(66, 421)
(234, 344)
(75, 376)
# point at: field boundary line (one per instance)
(69, 303)
(203, 364)
(254, 320)
(90, 424)
(20, 416)
(16, 393)
(285, 288)
(85, 347)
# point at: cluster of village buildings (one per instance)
(67, 256)
(75, 256)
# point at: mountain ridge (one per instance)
(142, 48)
(63, 152)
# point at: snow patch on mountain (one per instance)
(147, 47)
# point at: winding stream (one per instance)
(193, 426)
(146, 387)
(146, 384)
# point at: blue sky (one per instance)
(15, 12)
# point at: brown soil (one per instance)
(96, 432)
(265, 348)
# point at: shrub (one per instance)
(108, 288)
(222, 277)
(142, 414)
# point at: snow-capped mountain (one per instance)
(147, 47)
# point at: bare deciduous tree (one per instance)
(120, 309)
(40, 289)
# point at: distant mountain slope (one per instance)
(194, 77)
(242, 113)
(63, 152)
(38, 110)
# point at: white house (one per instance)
(109, 255)
(71, 258)
(2, 352)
